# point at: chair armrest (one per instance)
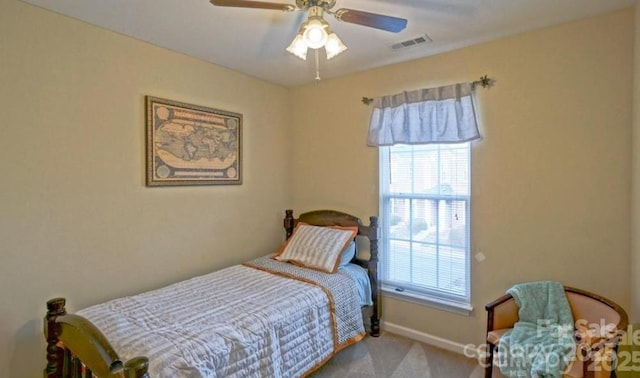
(502, 313)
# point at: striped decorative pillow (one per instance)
(316, 247)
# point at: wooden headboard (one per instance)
(336, 218)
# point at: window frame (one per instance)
(432, 297)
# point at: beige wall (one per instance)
(72, 162)
(550, 180)
(635, 177)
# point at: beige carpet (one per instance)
(392, 356)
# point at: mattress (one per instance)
(263, 318)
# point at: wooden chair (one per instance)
(587, 309)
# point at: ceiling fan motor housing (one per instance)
(324, 4)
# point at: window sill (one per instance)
(429, 301)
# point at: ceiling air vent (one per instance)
(411, 42)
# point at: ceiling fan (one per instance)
(315, 32)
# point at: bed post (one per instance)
(55, 308)
(288, 222)
(373, 276)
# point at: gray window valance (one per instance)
(434, 115)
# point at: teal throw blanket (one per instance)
(541, 344)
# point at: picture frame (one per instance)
(192, 145)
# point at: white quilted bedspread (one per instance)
(242, 321)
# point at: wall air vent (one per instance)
(411, 42)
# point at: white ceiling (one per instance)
(253, 41)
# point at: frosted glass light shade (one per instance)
(298, 47)
(334, 46)
(315, 33)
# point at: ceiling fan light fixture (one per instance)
(334, 45)
(315, 33)
(298, 47)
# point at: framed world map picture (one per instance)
(192, 145)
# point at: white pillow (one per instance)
(317, 247)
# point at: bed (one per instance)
(281, 315)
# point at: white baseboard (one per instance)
(425, 338)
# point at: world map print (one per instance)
(192, 146)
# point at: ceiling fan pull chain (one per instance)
(317, 67)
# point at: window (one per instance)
(425, 201)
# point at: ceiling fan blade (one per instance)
(378, 21)
(254, 4)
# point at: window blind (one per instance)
(425, 195)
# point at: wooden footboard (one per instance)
(336, 218)
(76, 348)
